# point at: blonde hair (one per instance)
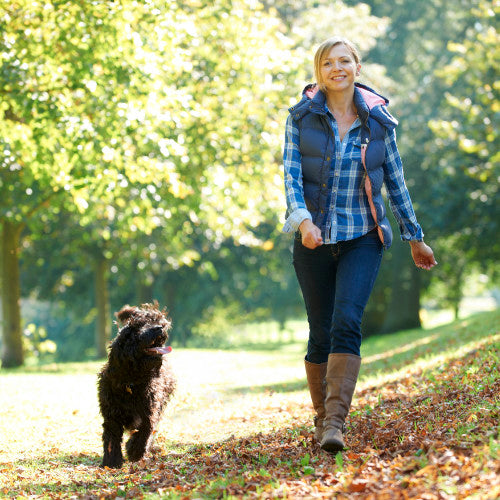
(325, 48)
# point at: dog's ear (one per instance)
(125, 313)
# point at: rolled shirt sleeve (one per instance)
(294, 189)
(399, 197)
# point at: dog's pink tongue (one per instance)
(161, 350)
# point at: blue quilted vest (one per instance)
(317, 147)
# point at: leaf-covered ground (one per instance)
(427, 431)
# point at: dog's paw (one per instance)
(136, 455)
(111, 464)
(136, 448)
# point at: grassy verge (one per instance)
(424, 423)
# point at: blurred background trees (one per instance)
(446, 101)
(140, 159)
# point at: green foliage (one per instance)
(147, 136)
(446, 101)
(120, 128)
(71, 333)
(467, 135)
(339, 460)
(36, 343)
(58, 79)
(171, 135)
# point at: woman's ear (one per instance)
(358, 69)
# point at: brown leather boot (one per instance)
(341, 376)
(317, 387)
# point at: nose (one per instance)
(155, 330)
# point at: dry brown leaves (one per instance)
(432, 435)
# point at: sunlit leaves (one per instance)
(467, 132)
(126, 118)
(473, 99)
(47, 53)
(187, 102)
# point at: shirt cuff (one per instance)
(294, 220)
(418, 236)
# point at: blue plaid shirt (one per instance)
(349, 208)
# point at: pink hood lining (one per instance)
(370, 98)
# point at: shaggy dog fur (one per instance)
(136, 382)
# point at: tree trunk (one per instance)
(103, 324)
(456, 289)
(403, 312)
(12, 354)
(145, 293)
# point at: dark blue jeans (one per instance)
(336, 282)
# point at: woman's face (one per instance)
(338, 69)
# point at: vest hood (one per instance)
(367, 102)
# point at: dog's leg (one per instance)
(112, 444)
(138, 444)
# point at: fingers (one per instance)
(426, 267)
(312, 238)
(423, 256)
(312, 243)
(426, 263)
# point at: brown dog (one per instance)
(136, 382)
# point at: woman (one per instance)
(340, 147)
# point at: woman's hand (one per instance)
(311, 234)
(422, 254)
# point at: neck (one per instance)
(341, 103)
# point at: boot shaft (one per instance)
(341, 377)
(316, 374)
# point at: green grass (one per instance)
(386, 356)
(50, 423)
